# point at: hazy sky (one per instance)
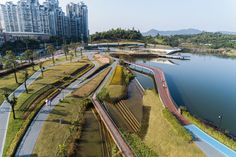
(209, 15)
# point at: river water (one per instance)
(205, 84)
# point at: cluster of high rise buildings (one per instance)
(29, 18)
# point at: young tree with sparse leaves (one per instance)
(74, 48)
(10, 62)
(51, 50)
(12, 101)
(66, 50)
(26, 76)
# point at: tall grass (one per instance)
(117, 78)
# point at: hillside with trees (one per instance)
(117, 34)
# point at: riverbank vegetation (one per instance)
(54, 77)
(160, 134)
(211, 131)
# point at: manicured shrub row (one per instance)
(138, 146)
(176, 125)
(211, 131)
(36, 102)
(80, 70)
(25, 106)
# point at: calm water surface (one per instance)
(206, 85)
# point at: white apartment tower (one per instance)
(28, 16)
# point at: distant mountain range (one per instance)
(190, 31)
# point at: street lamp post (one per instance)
(220, 117)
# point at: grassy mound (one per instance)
(160, 134)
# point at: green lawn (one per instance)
(91, 85)
(160, 135)
(50, 76)
(8, 81)
(55, 133)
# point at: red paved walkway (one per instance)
(164, 92)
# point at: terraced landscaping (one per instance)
(28, 104)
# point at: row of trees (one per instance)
(22, 45)
(10, 61)
(117, 34)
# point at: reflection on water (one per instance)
(205, 85)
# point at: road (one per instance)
(5, 108)
(27, 144)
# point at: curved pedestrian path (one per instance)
(29, 140)
(5, 108)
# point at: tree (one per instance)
(66, 50)
(41, 67)
(12, 101)
(10, 62)
(74, 47)
(30, 55)
(51, 49)
(26, 76)
(71, 56)
(81, 52)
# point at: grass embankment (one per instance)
(211, 131)
(61, 128)
(51, 75)
(160, 134)
(91, 85)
